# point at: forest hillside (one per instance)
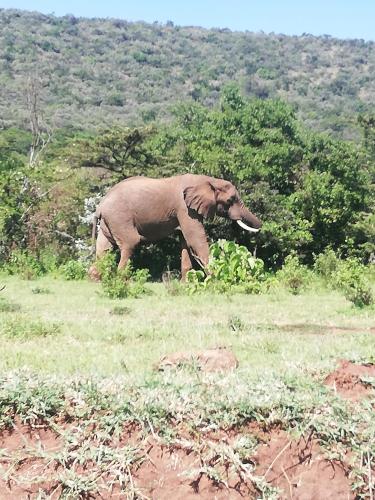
(96, 73)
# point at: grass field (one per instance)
(74, 367)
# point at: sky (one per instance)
(338, 18)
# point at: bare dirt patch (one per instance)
(316, 329)
(347, 381)
(192, 466)
(22, 465)
(300, 471)
(209, 360)
(178, 472)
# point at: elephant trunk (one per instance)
(247, 220)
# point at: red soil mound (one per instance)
(209, 360)
(15, 446)
(346, 380)
(300, 470)
(175, 473)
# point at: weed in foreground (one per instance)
(236, 324)
(120, 311)
(39, 290)
(7, 306)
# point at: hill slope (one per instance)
(96, 72)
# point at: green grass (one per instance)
(74, 329)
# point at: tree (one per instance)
(121, 151)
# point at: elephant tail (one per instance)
(96, 218)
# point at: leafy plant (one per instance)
(231, 266)
(121, 283)
(74, 270)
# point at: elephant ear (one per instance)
(201, 198)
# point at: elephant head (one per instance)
(219, 197)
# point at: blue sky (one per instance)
(339, 18)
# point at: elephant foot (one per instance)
(94, 274)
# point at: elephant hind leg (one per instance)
(102, 245)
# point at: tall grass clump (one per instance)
(7, 306)
(22, 328)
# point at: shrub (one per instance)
(351, 278)
(29, 266)
(347, 275)
(326, 264)
(25, 265)
(293, 275)
(231, 267)
(119, 284)
(74, 270)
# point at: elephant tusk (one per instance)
(248, 228)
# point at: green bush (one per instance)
(24, 264)
(74, 270)
(351, 278)
(326, 264)
(231, 267)
(121, 283)
(348, 276)
(29, 266)
(293, 275)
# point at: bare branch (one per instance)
(41, 134)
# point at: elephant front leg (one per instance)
(186, 262)
(195, 243)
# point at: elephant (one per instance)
(142, 209)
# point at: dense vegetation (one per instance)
(312, 192)
(101, 72)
